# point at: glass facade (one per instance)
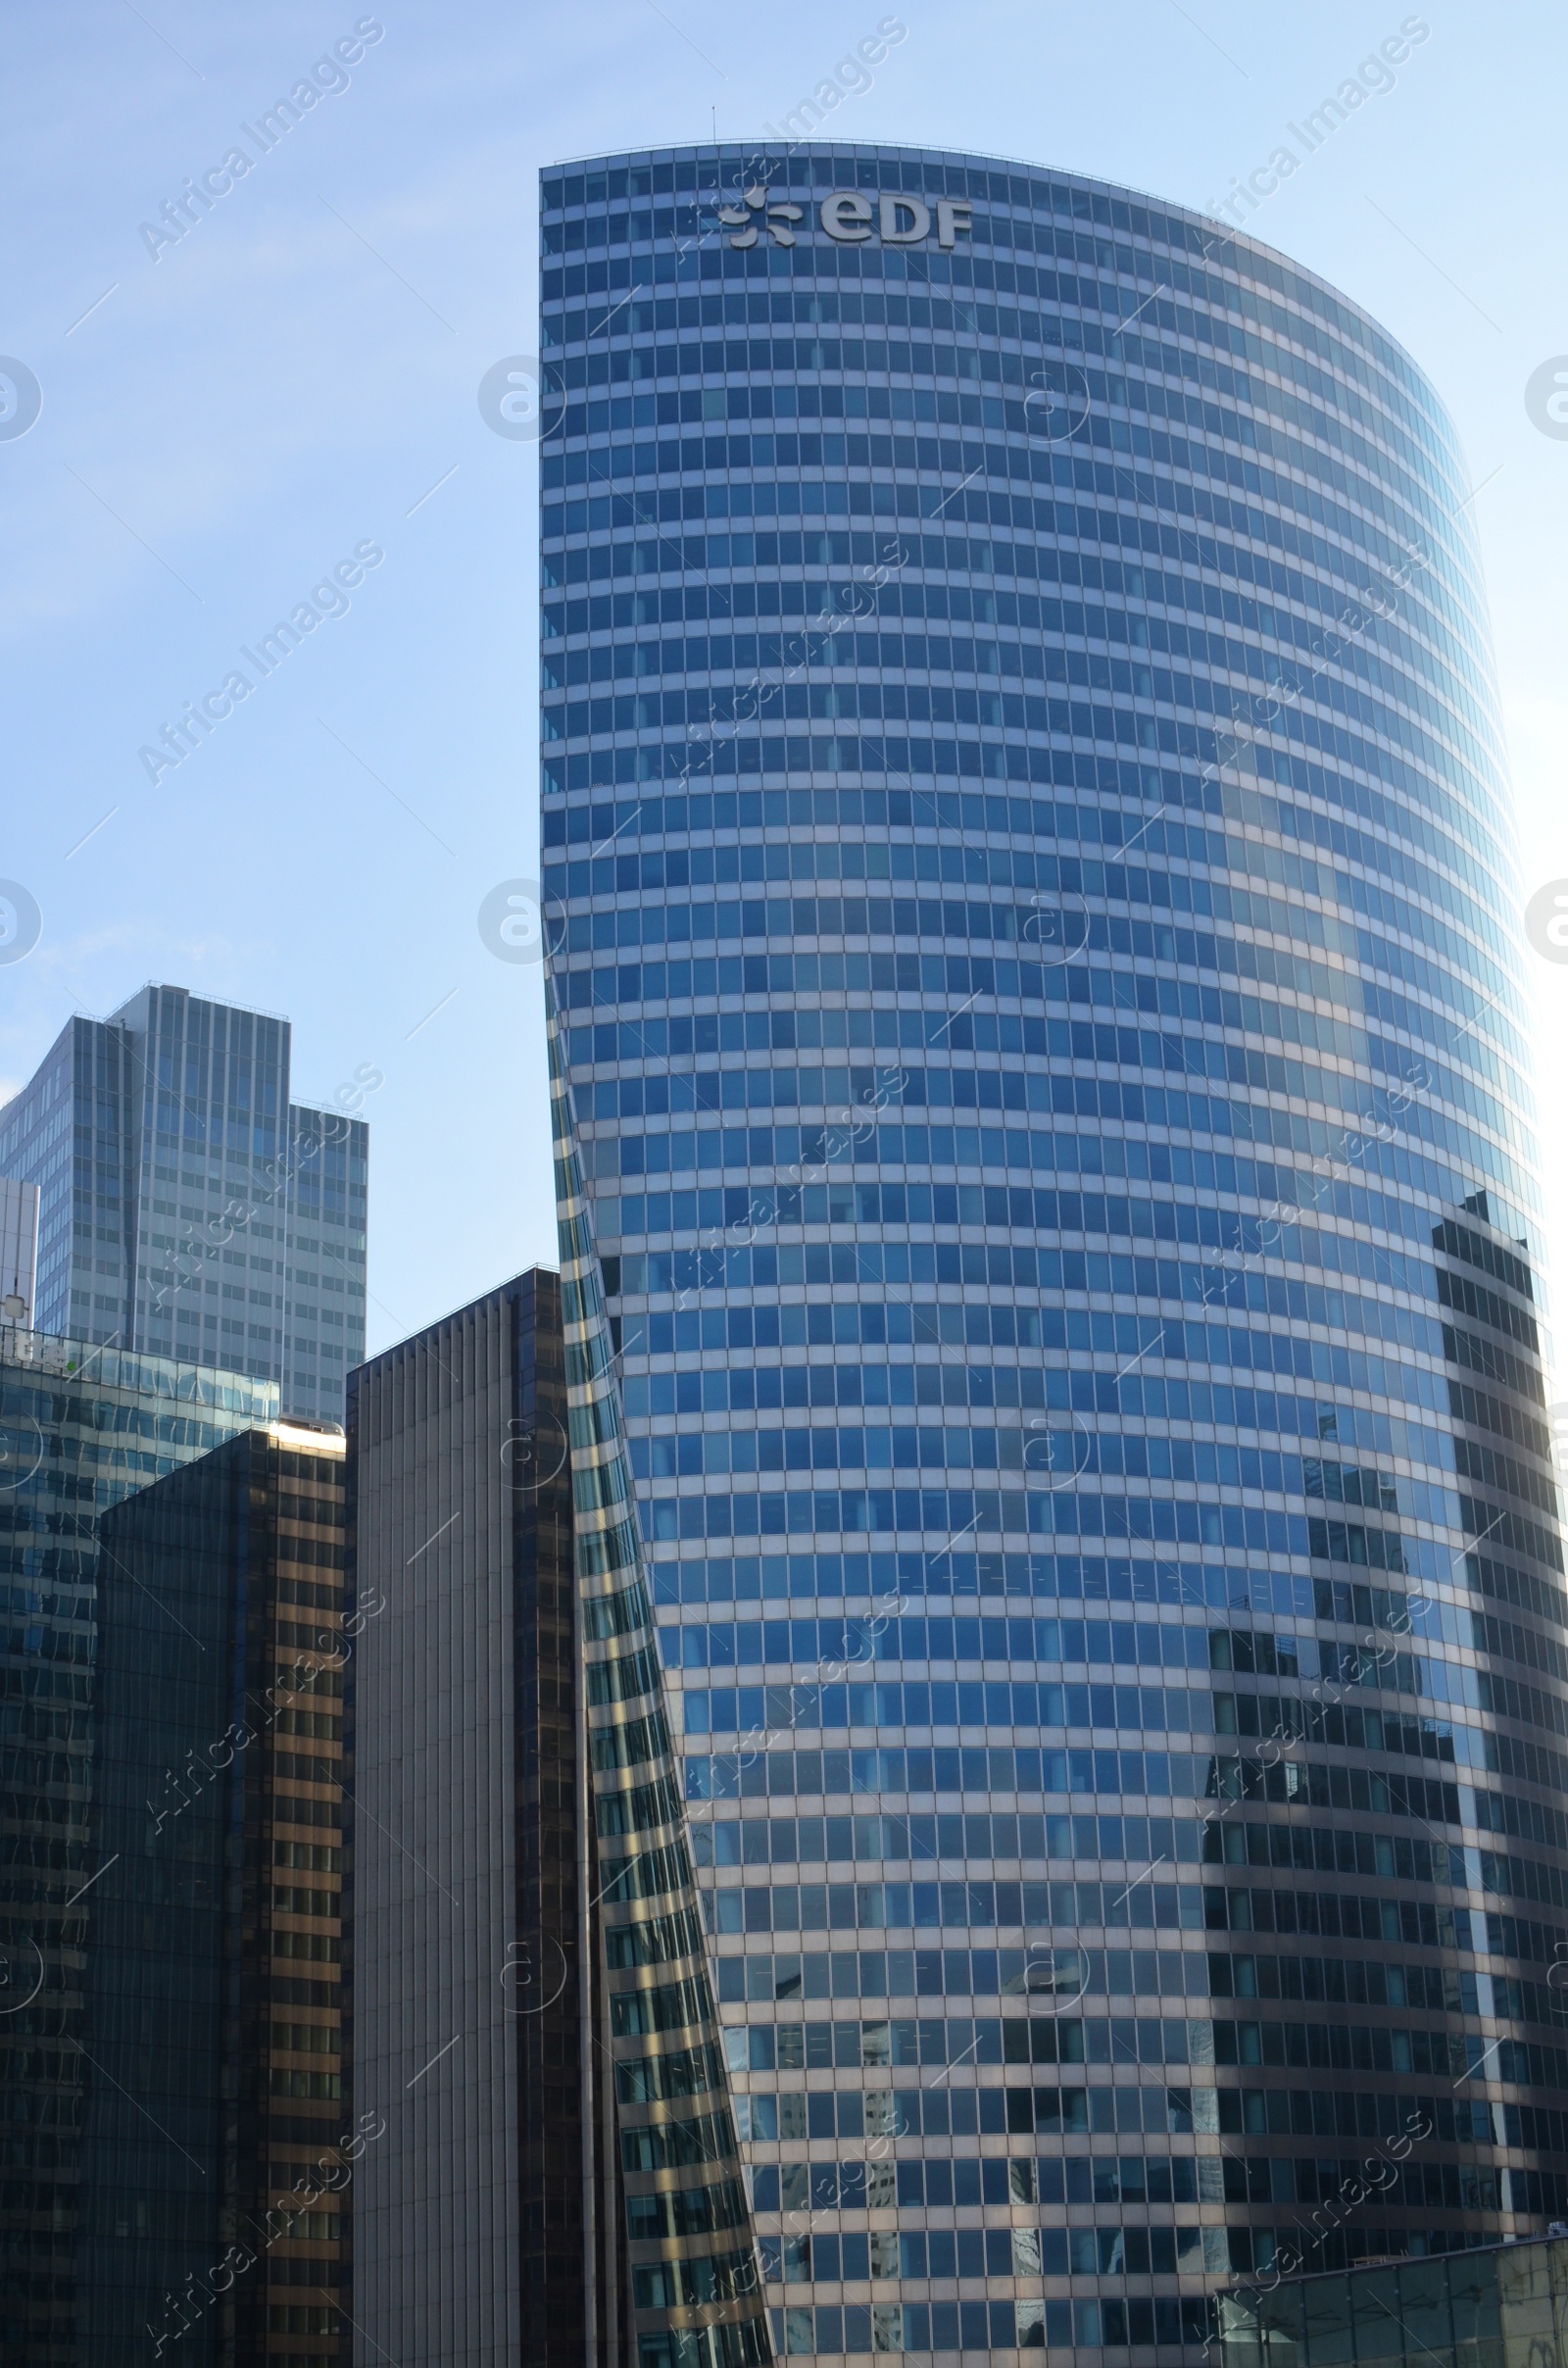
(81, 1429)
(188, 1207)
(1030, 868)
(1503, 2307)
(695, 2290)
(217, 2148)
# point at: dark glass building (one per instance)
(80, 1428)
(559, 2183)
(1025, 823)
(212, 2220)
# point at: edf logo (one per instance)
(846, 216)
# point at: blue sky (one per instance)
(292, 377)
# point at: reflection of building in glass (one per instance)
(214, 1971)
(1025, 813)
(190, 1208)
(18, 1250)
(80, 1428)
(1505, 2304)
(561, 2183)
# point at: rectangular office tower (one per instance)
(80, 1428)
(531, 2008)
(1035, 937)
(215, 2166)
(190, 1208)
(473, 2216)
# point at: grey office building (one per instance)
(1040, 980)
(190, 1208)
(530, 2005)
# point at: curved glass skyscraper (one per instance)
(1025, 804)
